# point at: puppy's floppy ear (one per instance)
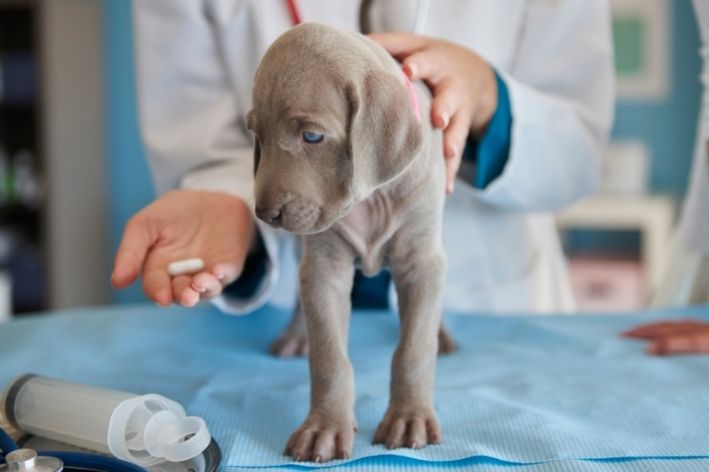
(384, 134)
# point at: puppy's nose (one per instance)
(271, 215)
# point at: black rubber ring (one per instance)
(11, 397)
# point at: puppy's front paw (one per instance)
(408, 427)
(321, 439)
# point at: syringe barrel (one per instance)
(143, 429)
(63, 411)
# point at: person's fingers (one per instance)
(446, 103)
(183, 292)
(157, 285)
(454, 137)
(452, 166)
(400, 44)
(691, 343)
(455, 134)
(207, 285)
(424, 65)
(664, 328)
(136, 241)
(226, 272)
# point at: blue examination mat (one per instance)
(529, 394)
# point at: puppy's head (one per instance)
(333, 121)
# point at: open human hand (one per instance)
(213, 226)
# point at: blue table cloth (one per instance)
(523, 393)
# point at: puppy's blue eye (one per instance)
(312, 138)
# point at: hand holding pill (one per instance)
(187, 245)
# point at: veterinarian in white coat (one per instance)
(195, 63)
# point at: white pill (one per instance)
(185, 266)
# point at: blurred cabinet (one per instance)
(22, 244)
(53, 211)
(613, 282)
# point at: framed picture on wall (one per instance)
(641, 36)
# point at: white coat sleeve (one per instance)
(695, 224)
(188, 116)
(561, 87)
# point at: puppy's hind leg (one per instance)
(446, 343)
(293, 341)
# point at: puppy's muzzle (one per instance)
(289, 212)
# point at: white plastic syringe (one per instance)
(143, 429)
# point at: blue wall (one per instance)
(130, 187)
(668, 127)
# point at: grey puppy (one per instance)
(342, 158)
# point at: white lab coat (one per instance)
(695, 217)
(687, 279)
(195, 64)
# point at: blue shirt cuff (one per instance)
(252, 274)
(491, 153)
